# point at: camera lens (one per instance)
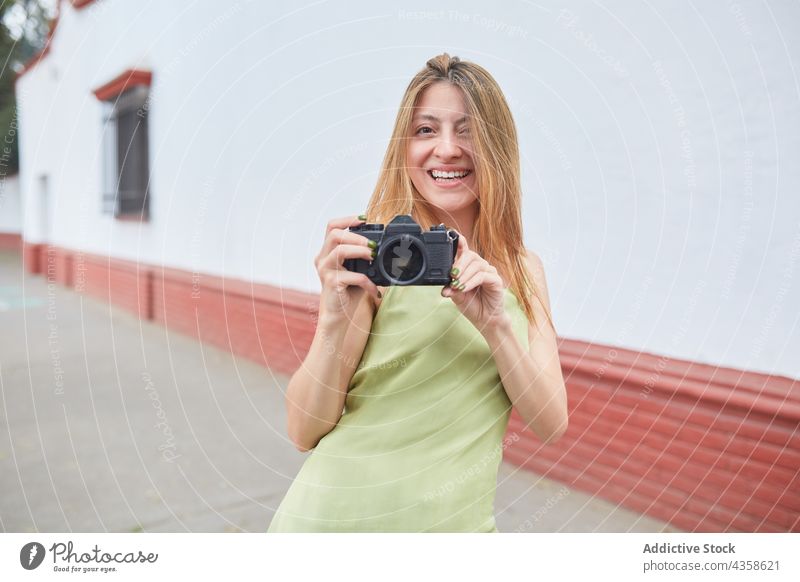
(402, 260)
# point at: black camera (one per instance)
(405, 255)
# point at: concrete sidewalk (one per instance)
(110, 423)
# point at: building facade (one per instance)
(186, 161)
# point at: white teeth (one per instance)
(438, 174)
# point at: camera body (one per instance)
(405, 255)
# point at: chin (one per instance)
(447, 202)
(451, 206)
(452, 203)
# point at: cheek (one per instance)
(415, 156)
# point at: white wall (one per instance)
(659, 145)
(10, 205)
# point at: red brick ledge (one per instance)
(702, 447)
(11, 241)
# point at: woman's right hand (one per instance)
(341, 289)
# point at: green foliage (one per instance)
(9, 152)
(24, 28)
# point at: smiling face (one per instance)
(440, 152)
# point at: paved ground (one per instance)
(110, 423)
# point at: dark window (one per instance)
(126, 169)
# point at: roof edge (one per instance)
(37, 58)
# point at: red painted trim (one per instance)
(122, 82)
(35, 59)
(704, 448)
(595, 359)
(31, 254)
(745, 391)
(11, 241)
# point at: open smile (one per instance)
(447, 179)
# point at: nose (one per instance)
(447, 148)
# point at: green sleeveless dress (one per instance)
(420, 441)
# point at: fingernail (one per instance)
(454, 283)
(374, 253)
(372, 244)
(380, 295)
(462, 287)
(362, 216)
(454, 271)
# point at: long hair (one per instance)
(497, 232)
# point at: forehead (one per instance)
(442, 101)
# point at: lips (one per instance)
(465, 171)
(449, 182)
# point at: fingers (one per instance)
(477, 272)
(334, 230)
(468, 267)
(462, 241)
(337, 236)
(461, 248)
(335, 259)
(343, 223)
(478, 279)
(339, 229)
(340, 279)
(341, 244)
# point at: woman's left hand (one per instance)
(480, 293)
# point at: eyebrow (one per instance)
(430, 117)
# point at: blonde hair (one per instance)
(497, 233)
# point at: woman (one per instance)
(406, 391)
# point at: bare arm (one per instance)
(316, 393)
(532, 378)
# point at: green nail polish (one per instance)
(362, 216)
(462, 287)
(372, 244)
(454, 283)
(454, 271)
